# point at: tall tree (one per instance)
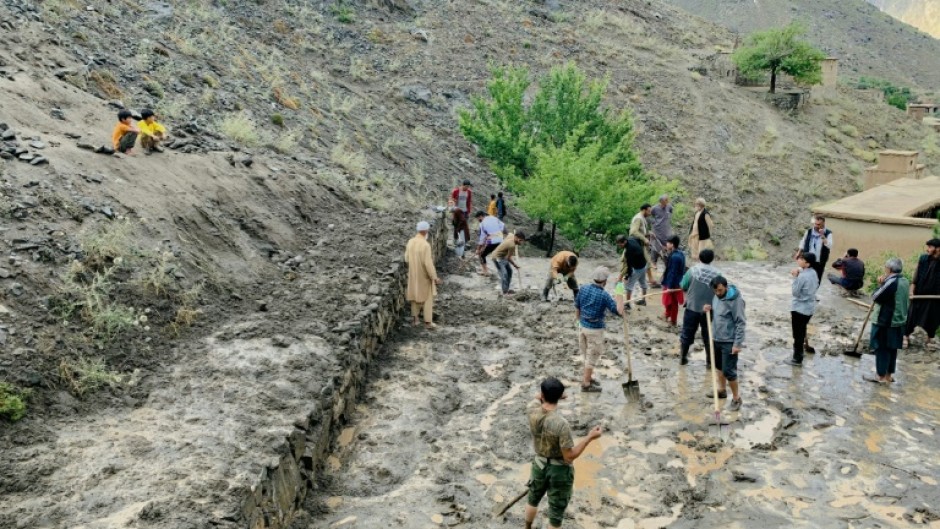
(587, 189)
(780, 50)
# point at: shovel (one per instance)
(499, 510)
(711, 352)
(518, 270)
(854, 351)
(631, 388)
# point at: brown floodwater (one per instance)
(441, 436)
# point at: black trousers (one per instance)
(800, 322)
(691, 322)
(819, 267)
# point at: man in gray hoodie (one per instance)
(698, 290)
(728, 324)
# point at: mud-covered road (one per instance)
(441, 437)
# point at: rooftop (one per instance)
(891, 152)
(897, 202)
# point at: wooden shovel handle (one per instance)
(711, 352)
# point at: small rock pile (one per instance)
(12, 148)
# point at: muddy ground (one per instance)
(440, 437)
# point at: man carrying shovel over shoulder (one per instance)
(728, 325)
(552, 473)
(592, 304)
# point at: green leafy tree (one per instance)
(586, 188)
(506, 130)
(499, 124)
(780, 50)
(570, 160)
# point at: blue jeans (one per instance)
(505, 273)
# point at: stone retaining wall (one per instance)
(282, 487)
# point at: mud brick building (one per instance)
(896, 216)
(894, 165)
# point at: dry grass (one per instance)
(108, 247)
(353, 161)
(159, 279)
(240, 128)
(106, 83)
(87, 375)
(283, 99)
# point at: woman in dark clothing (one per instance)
(889, 318)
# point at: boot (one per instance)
(684, 358)
(545, 294)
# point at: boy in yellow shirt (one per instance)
(491, 207)
(152, 134)
(125, 133)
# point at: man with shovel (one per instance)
(503, 258)
(592, 304)
(728, 328)
(552, 473)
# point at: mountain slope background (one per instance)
(922, 14)
(867, 41)
(309, 137)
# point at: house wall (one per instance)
(872, 239)
(917, 113)
(876, 177)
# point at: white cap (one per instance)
(601, 274)
(424, 226)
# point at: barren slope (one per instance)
(867, 41)
(346, 113)
(922, 14)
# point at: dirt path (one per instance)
(441, 436)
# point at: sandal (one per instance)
(591, 389)
(430, 326)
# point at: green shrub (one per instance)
(875, 267)
(12, 402)
(277, 120)
(896, 96)
(343, 13)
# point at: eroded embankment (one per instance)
(441, 435)
(233, 438)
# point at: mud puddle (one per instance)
(441, 437)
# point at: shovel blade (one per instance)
(631, 390)
(853, 353)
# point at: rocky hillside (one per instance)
(867, 42)
(308, 137)
(922, 14)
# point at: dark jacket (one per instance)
(703, 232)
(853, 270)
(633, 257)
(892, 301)
(675, 269)
(823, 256)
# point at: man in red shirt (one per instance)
(462, 198)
